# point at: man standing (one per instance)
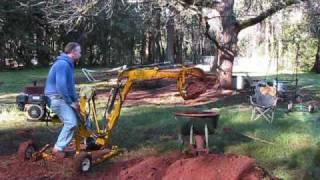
(63, 100)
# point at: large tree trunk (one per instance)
(143, 48)
(170, 39)
(178, 47)
(225, 59)
(224, 29)
(193, 46)
(156, 23)
(316, 67)
(150, 48)
(225, 40)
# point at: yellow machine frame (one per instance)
(103, 135)
(126, 79)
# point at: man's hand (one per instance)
(76, 106)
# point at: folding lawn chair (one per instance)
(263, 102)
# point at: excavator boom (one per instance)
(190, 84)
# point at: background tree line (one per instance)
(114, 33)
(135, 34)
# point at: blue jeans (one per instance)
(69, 118)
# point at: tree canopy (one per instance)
(114, 33)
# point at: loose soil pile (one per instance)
(167, 167)
(166, 92)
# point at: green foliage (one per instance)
(25, 33)
(286, 37)
(299, 46)
(123, 38)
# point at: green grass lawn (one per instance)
(293, 154)
(13, 81)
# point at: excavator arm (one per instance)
(132, 76)
(185, 78)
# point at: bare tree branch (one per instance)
(32, 5)
(275, 8)
(71, 13)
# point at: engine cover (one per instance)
(21, 101)
(35, 112)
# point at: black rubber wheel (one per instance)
(26, 150)
(82, 162)
(91, 144)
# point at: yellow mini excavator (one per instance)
(91, 144)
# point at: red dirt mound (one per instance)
(149, 168)
(167, 167)
(195, 89)
(210, 167)
(178, 166)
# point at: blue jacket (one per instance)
(60, 79)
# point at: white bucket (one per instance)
(279, 86)
(238, 82)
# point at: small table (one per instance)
(198, 120)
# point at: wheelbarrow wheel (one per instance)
(26, 150)
(82, 162)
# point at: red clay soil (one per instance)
(13, 168)
(163, 91)
(167, 167)
(150, 168)
(211, 167)
(195, 88)
(230, 167)
(168, 93)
